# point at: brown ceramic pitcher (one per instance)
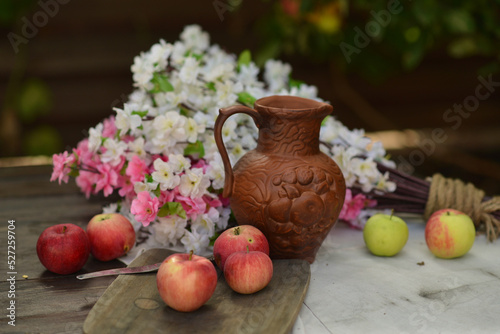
(286, 186)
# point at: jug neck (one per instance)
(291, 131)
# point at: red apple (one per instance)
(449, 233)
(63, 249)
(248, 271)
(237, 239)
(111, 235)
(186, 281)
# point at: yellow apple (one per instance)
(385, 235)
(449, 233)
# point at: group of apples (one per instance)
(65, 248)
(449, 233)
(187, 281)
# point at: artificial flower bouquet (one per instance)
(159, 155)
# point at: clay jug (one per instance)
(286, 186)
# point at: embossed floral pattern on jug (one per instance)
(286, 186)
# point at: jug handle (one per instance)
(224, 114)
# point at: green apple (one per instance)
(385, 235)
(449, 233)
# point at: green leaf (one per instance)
(425, 11)
(140, 113)
(161, 84)
(245, 58)
(462, 47)
(196, 148)
(157, 191)
(148, 178)
(172, 208)
(211, 86)
(34, 100)
(295, 83)
(74, 172)
(459, 21)
(213, 238)
(196, 56)
(246, 98)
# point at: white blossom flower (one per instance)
(276, 74)
(194, 183)
(169, 230)
(203, 224)
(385, 184)
(189, 70)
(225, 214)
(110, 208)
(114, 151)
(308, 92)
(170, 125)
(221, 72)
(136, 147)
(145, 186)
(192, 129)
(195, 38)
(228, 130)
(215, 172)
(226, 92)
(330, 129)
(366, 172)
(178, 162)
(192, 240)
(354, 138)
(95, 137)
(164, 175)
(159, 54)
(125, 121)
(248, 75)
(143, 70)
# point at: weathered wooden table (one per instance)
(350, 290)
(44, 302)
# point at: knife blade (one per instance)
(121, 271)
(129, 270)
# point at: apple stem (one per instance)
(237, 230)
(248, 249)
(64, 229)
(392, 213)
(190, 255)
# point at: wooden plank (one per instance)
(132, 304)
(45, 302)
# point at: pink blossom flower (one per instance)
(127, 139)
(201, 164)
(126, 187)
(192, 206)
(107, 179)
(109, 127)
(84, 155)
(353, 205)
(136, 169)
(145, 208)
(62, 166)
(86, 181)
(212, 202)
(224, 200)
(168, 195)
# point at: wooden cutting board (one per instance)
(132, 304)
